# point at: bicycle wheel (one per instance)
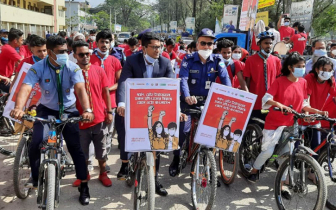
(304, 194)
(21, 169)
(331, 188)
(144, 190)
(203, 180)
(228, 165)
(50, 203)
(250, 148)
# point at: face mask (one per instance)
(4, 39)
(104, 53)
(37, 58)
(265, 53)
(286, 23)
(320, 53)
(333, 52)
(205, 53)
(135, 50)
(61, 59)
(112, 44)
(226, 133)
(93, 38)
(150, 59)
(324, 75)
(227, 60)
(236, 56)
(299, 72)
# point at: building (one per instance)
(76, 17)
(33, 16)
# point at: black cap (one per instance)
(143, 32)
(206, 33)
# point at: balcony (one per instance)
(51, 2)
(15, 14)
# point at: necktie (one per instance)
(59, 87)
(87, 85)
(101, 59)
(265, 69)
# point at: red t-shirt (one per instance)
(8, 58)
(29, 60)
(98, 81)
(245, 54)
(128, 52)
(172, 55)
(299, 42)
(111, 66)
(123, 46)
(25, 52)
(180, 55)
(239, 66)
(287, 93)
(166, 55)
(92, 45)
(330, 106)
(254, 69)
(286, 32)
(177, 47)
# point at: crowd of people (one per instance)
(86, 76)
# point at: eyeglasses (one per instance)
(155, 47)
(81, 55)
(206, 43)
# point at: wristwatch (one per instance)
(110, 112)
(88, 110)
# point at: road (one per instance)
(240, 195)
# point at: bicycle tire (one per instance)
(145, 173)
(225, 158)
(321, 191)
(22, 152)
(50, 204)
(331, 203)
(213, 177)
(249, 152)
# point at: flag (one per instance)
(217, 27)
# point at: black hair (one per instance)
(296, 24)
(301, 28)
(271, 25)
(224, 43)
(267, 28)
(316, 41)
(104, 34)
(287, 18)
(132, 41)
(69, 41)
(92, 31)
(292, 59)
(79, 43)
(36, 41)
(321, 62)
(215, 51)
(192, 45)
(62, 34)
(333, 45)
(238, 132)
(14, 34)
(54, 41)
(148, 37)
(172, 125)
(170, 42)
(236, 47)
(182, 47)
(228, 137)
(163, 133)
(125, 41)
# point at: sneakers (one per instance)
(78, 181)
(123, 173)
(84, 196)
(253, 177)
(105, 180)
(159, 189)
(31, 183)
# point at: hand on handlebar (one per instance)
(190, 100)
(17, 114)
(183, 117)
(283, 108)
(87, 117)
(323, 113)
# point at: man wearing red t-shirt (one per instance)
(286, 32)
(97, 87)
(259, 77)
(170, 44)
(299, 40)
(92, 40)
(133, 45)
(9, 57)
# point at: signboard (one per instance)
(34, 96)
(248, 14)
(302, 12)
(173, 26)
(265, 3)
(164, 28)
(262, 16)
(117, 27)
(230, 15)
(225, 117)
(152, 114)
(190, 25)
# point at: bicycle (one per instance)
(296, 164)
(52, 161)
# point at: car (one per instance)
(122, 36)
(186, 40)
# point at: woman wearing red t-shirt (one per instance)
(288, 89)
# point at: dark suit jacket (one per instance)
(135, 67)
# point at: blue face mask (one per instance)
(265, 53)
(61, 59)
(320, 53)
(286, 23)
(299, 72)
(150, 59)
(4, 39)
(36, 59)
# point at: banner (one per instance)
(159, 28)
(190, 25)
(302, 12)
(164, 28)
(265, 3)
(217, 27)
(230, 17)
(173, 26)
(224, 118)
(117, 27)
(152, 114)
(248, 14)
(262, 16)
(34, 96)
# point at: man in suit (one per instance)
(149, 64)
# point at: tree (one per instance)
(102, 19)
(325, 21)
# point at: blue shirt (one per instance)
(230, 28)
(45, 76)
(149, 69)
(194, 74)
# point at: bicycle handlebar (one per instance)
(56, 121)
(302, 115)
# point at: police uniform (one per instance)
(44, 73)
(118, 52)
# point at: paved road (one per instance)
(240, 195)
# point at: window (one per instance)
(48, 10)
(24, 4)
(18, 3)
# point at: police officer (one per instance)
(58, 79)
(198, 71)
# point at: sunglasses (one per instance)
(81, 55)
(206, 43)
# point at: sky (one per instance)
(95, 3)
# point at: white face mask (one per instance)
(104, 53)
(93, 38)
(324, 75)
(236, 56)
(227, 60)
(333, 52)
(205, 53)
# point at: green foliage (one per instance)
(102, 19)
(325, 22)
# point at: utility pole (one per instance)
(115, 20)
(70, 15)
(110, 20)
